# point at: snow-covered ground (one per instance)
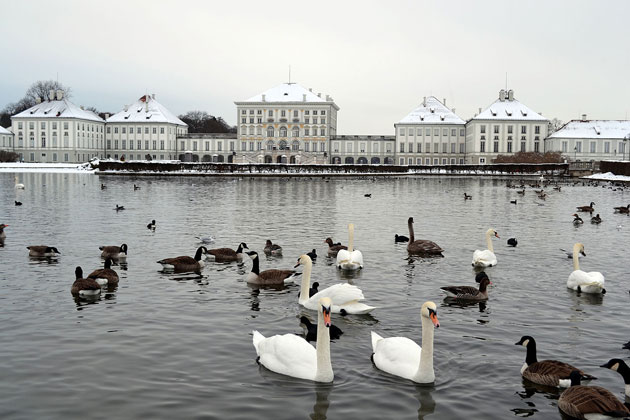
(84, 168)
(609, 176)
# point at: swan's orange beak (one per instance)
(327, 321)
(497, 235)
(434, 319)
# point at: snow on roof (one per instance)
(594, 129)
(58, 109)
(509, 110)
(431, 111)
(4, 130)
(146, 109)
(288, 92)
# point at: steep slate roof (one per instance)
(146, 109)
(58, 109)
(4, 130)
(287, 92)
(509, 110)
(432, 111)
(594, 129)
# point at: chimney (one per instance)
(51, 95)
(502, 95)
(327, 98)
(146, 106)
(319, 95)
(38, 100)
(82, 108)
(479, 111)
(126, 108)
(59, 94)
(583, 117)
(510, 95)
(304, 97)
(263, 98)
(444, 101)
(310, 89)
(153, 96)
(106, 115)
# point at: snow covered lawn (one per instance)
(609, 176)
(84, 168)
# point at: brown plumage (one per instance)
(42, 251)
(84, 287)
(579, 401)
(228, 254)
(421, 246)
(588, 208)
(271, 248)
(185, 263)
(114, 252)
(625, 210)
(267, 277)
(333, 249)
(469, 292)
(3, 235)
(105, 276)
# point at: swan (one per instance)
(581, 281)
(345, 296)
(621, 368)
(421, 246)
(291, 355)
(18, 185)
(486, 258)
(402, 357)
(350, 259)
(590, 402)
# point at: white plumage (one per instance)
(592, 282)
(486, 258)
(350, 259)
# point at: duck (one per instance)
(119, 208)
(621, 368)
(577, 220)
(18, 203)
(311, 330)
(590, 402)
(467, 197)
(350, 259)
(135, 187)
(42, 251)
(421, 246)
(522, 192)
(18, 185)
(513, 201)
(105, 276)
(402, 357)
(268, 277)
(227, 254)
(114, 252)
(84, 287)
(400, 238)
(312, 290)
(581, 281)
(486, 258)
(185, 263)
(346, 297)
(272, 249)
(468, 293)
(588, 208)
(512, 242)
(312, 254)
(293, 356)
(542, 195)
(546, 372)
(596, 219)
(367, 195)
(151, 225)
(103, 187)
(625, 210)
(334, 248)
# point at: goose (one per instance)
(590, 402)
(185, 263)
(3, 235)
(400, 238)
(468, 293)
(291, 355)
(622, 368)
(625, 210)
(345, 296)
(480, 276)
(103, 187)
(18, 203)
(588, 208)
(311, 330)
(542, 195)
(114, 252)
(402, 357)
(596, 219)
(312, 254)
(272, 249)
(227, 254)
(467, 197)
(512, 242)
(350, 259)
(421, 246)
(577, 220)
(558, 188)
(333, 248)
(135, 187)
(546, 372)
(151, 225)
(513, 201)
(522, 192)
(84, 287)
(105, 276)
(119, 208)
(486, 258)
(18, 185)
(268, 277)
(581, 281)
(367, 195)
(42, 251)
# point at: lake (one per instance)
(179, 346)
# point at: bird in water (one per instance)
(596, 219)
(205, 239)
(467, 197)
(103, 187)
(135, 187)
(312, 254)
(577, 220)
(513, 202)
(119, 208)
(400, 238)
(18, 203)
(311, 330)
(151, 225)
(367, 195)
(512, 242)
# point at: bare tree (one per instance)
(554, 125)
(41, 89)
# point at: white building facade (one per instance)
(362, 150)
(57, 131)
(591, 140)
(287, 123)
(144, 128)
(431, 134)
(6, 139)
(505, 127)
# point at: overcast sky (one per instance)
(377, 59)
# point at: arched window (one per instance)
(296, 132)
(251, 130)
(295, 146)
(283, 131)
(270, 144)
(282, 145)
(270, 132)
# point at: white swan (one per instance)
(402, 357)
(291, 355)
(486, 258)
(18, 185)
(349, 259)
(582, 281)
(345, 295)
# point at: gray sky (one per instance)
(377, 59)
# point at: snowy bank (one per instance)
(609, 176)
(84, 168)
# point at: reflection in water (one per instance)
(427, 403)
(349, 275)
(43, 260)
(322, 391)
(255, 301)
(461, 303)
(82, 301)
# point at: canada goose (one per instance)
(512, 242)
(626, 346)
(512, 201)
(590, 402)
(151, 225)
(546, 372)
(333, 249)
(2, 234)
(312, 254)
(114, 252)
(596, 219)
(542, 195)
(522, 192)
(105, 276)
(119, 208)
(421, 246)
(268, 277)
(103, 187)
(588, 208)
(367, 195)
(311, 330)
(135, 187)
(228, 254)
(84, 287)
(468, 293)
(400, 238)
(185, 263)
(622, 368)
(625, 210)
(581, 281)
(577, 220)
(272, 249)
(18, 185)
(467, 197)
(18, 203)
(42, 251)
(486, 258)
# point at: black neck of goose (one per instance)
(198, 254)
(108, 263)
(239, 250)
(123, 249)
(411, 235)
(531, 353)
(624, 371)
(255, 266)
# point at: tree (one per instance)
(555, 125)
(6, 156)
(530, 157)
(202, 122)
(41, 89)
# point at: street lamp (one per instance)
(626, 139)
(575, 154)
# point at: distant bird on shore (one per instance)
(467, 197)
(400, 238)
(367, 195)
(151, 225)
(512, 242)
(18, 203)
(119, 208)
(135, 187)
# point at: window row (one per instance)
(283, 112)
(53, 125)
(123, 130)
(510, 129)
(427, 131)
(282, 131)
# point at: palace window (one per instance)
(270, 132)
